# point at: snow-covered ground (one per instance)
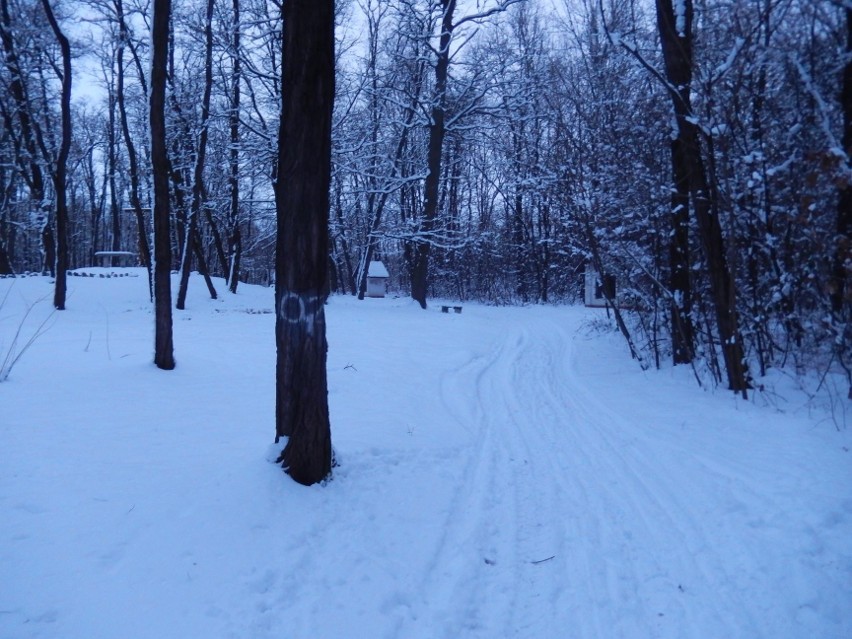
(505, 472)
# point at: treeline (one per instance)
(695, 151)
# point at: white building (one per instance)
(377, 279)
(594, 293)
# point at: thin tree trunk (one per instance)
(214, 231)
(5, 262)
(683, 340)
(841, 290)
(112, 168)
(235, 244)
(302, 203)
(347, 277)
(198, 249)
(61, 169)
(8, 189)
(133, 164)
(163, 343)
(198, 173)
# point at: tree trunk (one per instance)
(676, 41)
(437, 131)
(841, 293)
(347, 276)
(133, 164)
(163, 344)
(302, 203)
(5, 262)
(48, 242)
(61, 168)
(235, 244)
(203, 269)
(112, 168)
(198, 173)
(683, 345)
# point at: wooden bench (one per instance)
(446, 309)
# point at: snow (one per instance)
(680, 18)
(507, 472)
(377, 269)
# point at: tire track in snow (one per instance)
(564, 522)
(499, 569)
(647, 556)
(468, 571)
(665, 554)
(573, 519)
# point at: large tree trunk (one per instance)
(61, 168)
(676, 40)
(302, 203)
(437, 131)
(163, 344)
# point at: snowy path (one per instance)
(504, 474)
(573, 521)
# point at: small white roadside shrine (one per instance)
(594, 291)
(377, 279)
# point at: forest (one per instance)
(695, 152)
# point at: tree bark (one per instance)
(676, 41)
(133, 164)
(302, 203)
(5, 262)
(198, 172)
(683, 341)
(61, 167)
(112, 162)
(841, 293)
(437, 132)
(163, 343)
(235, 243)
